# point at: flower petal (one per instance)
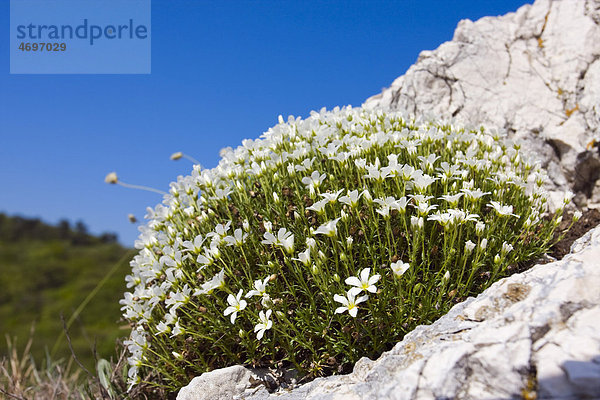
(373, 280)
(340, 299)
(354, 281)
(364, 274)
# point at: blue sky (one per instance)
(222, 71)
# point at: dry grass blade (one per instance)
(21, 378)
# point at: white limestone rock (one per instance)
(220, 384)
(534, 73)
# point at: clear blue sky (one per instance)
(222, 71)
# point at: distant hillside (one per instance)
(48, 270)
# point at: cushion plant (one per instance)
(326, 240)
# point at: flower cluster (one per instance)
(326, 240)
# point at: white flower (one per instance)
(501, 209)
(313, 181)
(351, 199)
(318, 206)
(237, 239)
(424, 208)
(473, 194)
(568, 197)
(577, 215)
(361, 163)
(303, 257)
(442, 218)
(177, 330)
(459, 216)
(216, 282)
(365, 282)
(195, 246)
(331, 197)
(422, 181)
(328, 229)
(399, 267)
(452, 199)
(374, 172)
(210, 255)
(220, 230)
(427, 162)
(367, 195)
(236, 304)
(407, 172)
(163, 327)
(177, 299)
(283, 238)
(385, 212)
(448, 171)
(506, 248)
(264, 324)
(260, 288)
(349, 302)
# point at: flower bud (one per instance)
(469, 246)
(446, 276)
(479, 227)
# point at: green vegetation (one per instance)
(326, 240)
(46, 271)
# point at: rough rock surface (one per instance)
(220, 384)
(532, 334)
(534, 73)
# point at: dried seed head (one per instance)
(111, 178)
